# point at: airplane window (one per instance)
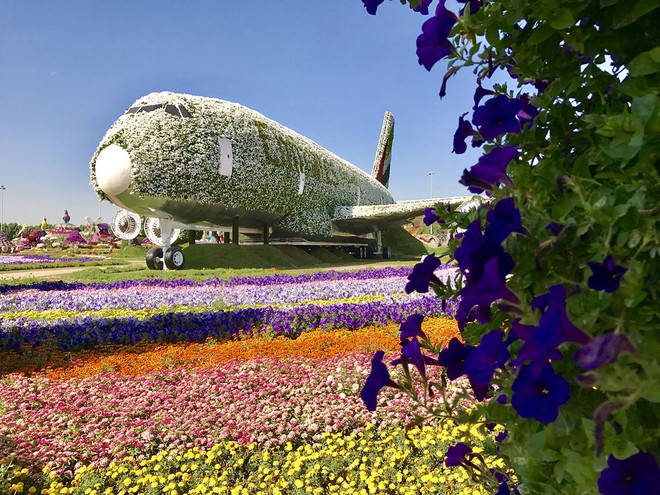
(176, 110)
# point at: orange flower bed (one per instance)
(146, 357)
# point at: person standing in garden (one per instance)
(66, 216)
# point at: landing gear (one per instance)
(387, 252)
(155, 258)
(174, 259)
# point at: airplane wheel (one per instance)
(174, 259)
(387, 252)
(155, 258)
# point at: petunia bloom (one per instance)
(423, 274)
(372, 5)
(503, 220)
(491, 287)
(377, 379)
(457, 454)
(538, 395)
(430, 217)
(553, 329)
(606, 275)
(498, 116)
(453, 357)
(603, 350)
(489, 171)
(464, 130)
(491, 353)
(433, 44)
(638, 474)
(527, 112)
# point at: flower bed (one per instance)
(232, 402)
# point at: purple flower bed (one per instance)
(31, 259)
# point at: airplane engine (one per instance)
(153, 233)
(126, 225)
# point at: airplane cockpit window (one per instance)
(176, 110)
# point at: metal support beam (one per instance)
(234, 230)
(266, 234)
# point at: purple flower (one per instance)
(432, 44)
(490, 288)
(411, 351)
(475, 251)
(445, 78)
(539, 395)
(457, 454)
(479, 93)
(503, 220)
(491, 353)
(422, 6)
(377, 379)
(638, 475)
(490, 170)
(604, 349)
(431, 217)
(464, 130)
(497, 116)
(501, 436)
(372, 5)
(554, 228)
(453, 357)
(422, 275)
(606, 275)
(528, 112)
(553, 329)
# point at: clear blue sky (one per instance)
(328, 70)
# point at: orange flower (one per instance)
(146, 357)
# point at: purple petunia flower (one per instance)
(411, 351)
(422, 6)
(464, 130)
(553, 329)
(603, 350)
(372, 5)
(503, 220)
(453, 357)
(606, 275)
(491, 353)
(528, 112)
(475, 251)
(498, 116)
(457, 454)
(554, 228)
(491, 287)
(539, 395)
(377, 379)
(431, 217)
(422, 275)
(479, 93)
(489, 171)
(433, 43)
(638, 474)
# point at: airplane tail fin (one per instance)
(381, 170)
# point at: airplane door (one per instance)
(226, 157)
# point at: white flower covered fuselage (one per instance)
(203, 161)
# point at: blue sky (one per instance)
(327, 70)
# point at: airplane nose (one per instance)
(113, 170)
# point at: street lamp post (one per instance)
(431, 173)
(2, 201)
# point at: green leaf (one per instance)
(645, 63)
(563, 19)
(628, 12)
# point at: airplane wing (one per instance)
(360, 220)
